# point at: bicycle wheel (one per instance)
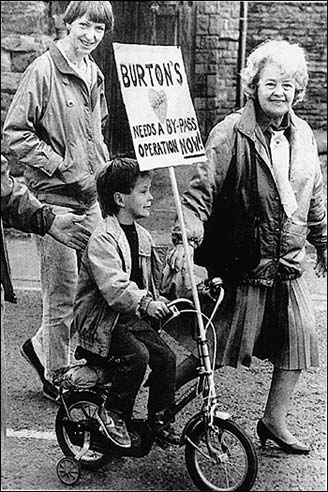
(68, 470)
(232, 464)
(71, 432)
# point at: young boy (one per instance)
(116, 299)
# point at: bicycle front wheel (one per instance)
(228, 464)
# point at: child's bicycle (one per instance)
(219, 455)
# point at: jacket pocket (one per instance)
(294, 237)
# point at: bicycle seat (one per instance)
(81, 376)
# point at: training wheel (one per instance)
(68, 470)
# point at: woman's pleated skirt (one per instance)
(276, 323)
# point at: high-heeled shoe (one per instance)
(292, 448)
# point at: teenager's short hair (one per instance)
(119, 175)
(100, 12)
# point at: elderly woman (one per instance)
(267, 309)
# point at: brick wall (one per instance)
(304, 23)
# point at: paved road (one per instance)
(29, 462)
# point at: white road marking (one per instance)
(27, 288)
(31, 434)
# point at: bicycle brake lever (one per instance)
(175, 311)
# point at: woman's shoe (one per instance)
(293, 448)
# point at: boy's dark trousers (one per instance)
(137, 345)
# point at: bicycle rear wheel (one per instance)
(71, 431)
(232, 464)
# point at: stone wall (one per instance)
(217, 44)
(24, 36)
(304, 23)
(216, 52)
(26, 31)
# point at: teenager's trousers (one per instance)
(58, 276)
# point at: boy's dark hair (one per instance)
(100, 12)
(119, 175)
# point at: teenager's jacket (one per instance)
(282, 240)
(54, 119)
(104, 288)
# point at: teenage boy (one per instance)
(54, 127)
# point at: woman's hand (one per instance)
(177, 257)
(157, 309)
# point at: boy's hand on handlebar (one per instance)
(177, 257)
(157, 309)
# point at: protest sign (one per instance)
(162, 120)
(161, 115)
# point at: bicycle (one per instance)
(219, 455)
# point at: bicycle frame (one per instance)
(208, 434)
(205, 384)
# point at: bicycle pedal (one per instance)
(162, 443)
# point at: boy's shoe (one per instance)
(165, 432)
(114, 427)
(51, 392)
(30, 356)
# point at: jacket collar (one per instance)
(113, 227)
(249, 124)
(266, 123)
(63, 66)
(115, 230)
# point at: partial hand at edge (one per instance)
(177, 257)
(68, 230)
(320, 267)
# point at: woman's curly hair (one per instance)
(290, 57)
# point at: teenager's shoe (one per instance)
(265, 433)
(114, 427)
(27, 351)
(51, 392)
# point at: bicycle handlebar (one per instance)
(211, 290)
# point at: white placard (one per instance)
(160, 111)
